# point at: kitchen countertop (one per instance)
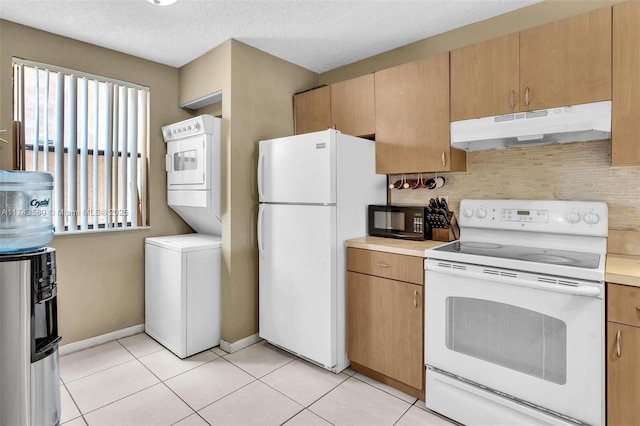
(393, 245)
(623, 269)
(620, 268)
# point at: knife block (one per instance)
(447, 234)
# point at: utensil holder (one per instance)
(447, 234)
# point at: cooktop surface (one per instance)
(522, 253)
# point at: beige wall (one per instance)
(576, 171)
(257, 91)
(100, 275)
(537, 14)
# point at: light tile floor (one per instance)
(136, 381)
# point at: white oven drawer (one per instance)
(446, 395)
(544, 347)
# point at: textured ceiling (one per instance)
(318, 35)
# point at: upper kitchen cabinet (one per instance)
(625, 146)
(485, 79)
(312, 110)
(352, 106)
(412, 118)
(566, 62)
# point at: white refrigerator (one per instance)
(314, 190)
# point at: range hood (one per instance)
(575, 123)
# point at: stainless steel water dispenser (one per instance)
(29, 369)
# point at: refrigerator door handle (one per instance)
(260, 176)
(261, 210)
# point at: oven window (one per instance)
(185, 160)
(513, 337)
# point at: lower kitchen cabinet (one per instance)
(385, 318)
(623, 355)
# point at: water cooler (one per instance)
(29, 369)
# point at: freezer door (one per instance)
(298, 169)
(298, 279)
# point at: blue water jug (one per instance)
(26, 210)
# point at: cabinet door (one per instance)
(566, 62)
(485, 79)
(412, 117)
(625, 145)
(384, 331)
(312, 110)
(352, 106)
(623, 375)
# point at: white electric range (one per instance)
(514, 314)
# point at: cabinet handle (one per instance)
(444, 159)
(511, 98)
(618, 342)
(382, 265)
(526, 96)
(415, 298)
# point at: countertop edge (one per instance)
(623, 269)
(395, 246)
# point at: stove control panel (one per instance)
(550, 216)
(524, 215)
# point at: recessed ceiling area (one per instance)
(319, 35)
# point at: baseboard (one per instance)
(240, 344)
(99, 340)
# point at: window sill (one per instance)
(101, 231)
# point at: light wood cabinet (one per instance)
(485, 78)
(385, 326)
(412, 118)
(352, 106)
(625, 143)
(564, 62)
(312, 110)
(347, 106)
(623, 355)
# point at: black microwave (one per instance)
(406, 222)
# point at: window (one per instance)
(91, 134)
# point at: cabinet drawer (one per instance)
(387, 265)
(623, 305)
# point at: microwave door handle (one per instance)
(588, 291)
(260, 177)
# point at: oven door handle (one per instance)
(588, 291)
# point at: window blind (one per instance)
(91, 133)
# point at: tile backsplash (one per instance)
(576, 171)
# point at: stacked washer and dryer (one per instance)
(183, 272)
(29, 368)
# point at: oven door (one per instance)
(533, 340)
(187, 163)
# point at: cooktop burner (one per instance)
(472, 244)
(527, 254)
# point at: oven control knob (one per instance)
(481, 213)
(572, 217)
(468, 213)
(592, 218)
